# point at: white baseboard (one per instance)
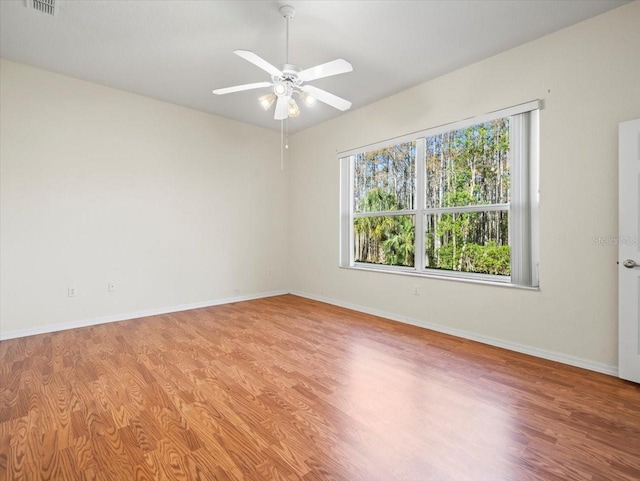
(132, 315)
(512, 346)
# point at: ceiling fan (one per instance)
(291, 80)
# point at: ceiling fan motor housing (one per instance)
(287, 83)
(291, 71)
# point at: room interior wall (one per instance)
(176, 208)
(588, 77)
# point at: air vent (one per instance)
(48, 7)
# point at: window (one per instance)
(454, 201)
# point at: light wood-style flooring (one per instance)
(288, 389)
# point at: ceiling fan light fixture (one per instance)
(267, 100)
(280, 89)
(308, 99)
(293, 110)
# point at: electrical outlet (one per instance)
(72, 291)
(111, 286)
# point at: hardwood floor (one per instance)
(286, 388)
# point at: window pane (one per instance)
(469, 242)
(384, 179)
(385, 240)
(468, 166)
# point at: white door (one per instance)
(629, 252)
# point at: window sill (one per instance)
(484, 279)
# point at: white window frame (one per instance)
(523, 208)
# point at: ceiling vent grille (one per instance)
(48, 7)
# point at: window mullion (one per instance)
(468, 208)
(383, 213)
(420, 172)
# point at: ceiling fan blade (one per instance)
(282, 108)
(328, 69)
(258, 61)
(327, 98)
(240, 88)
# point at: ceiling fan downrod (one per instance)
(288, 12)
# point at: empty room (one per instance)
(325, 240)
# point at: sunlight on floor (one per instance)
(403, 414)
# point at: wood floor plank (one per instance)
(289, 389)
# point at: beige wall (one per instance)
(589, 78)
(174, 206)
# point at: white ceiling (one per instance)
(178, 51)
